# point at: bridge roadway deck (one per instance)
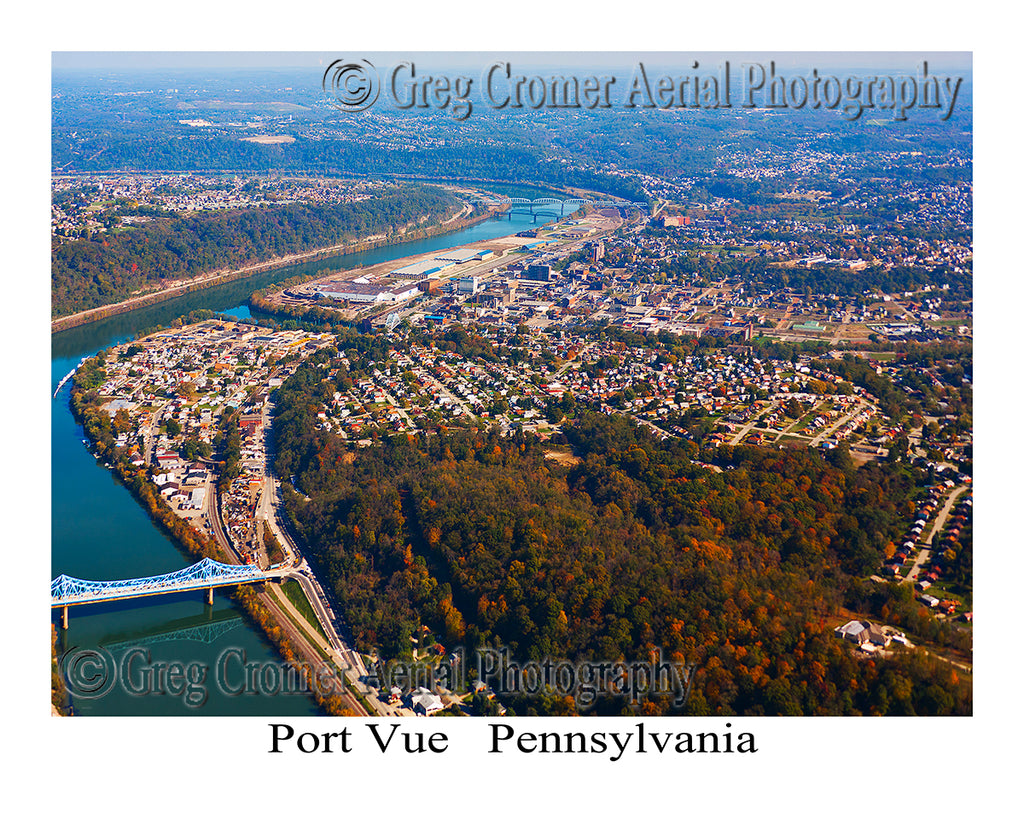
(206, 574)
(597, 203)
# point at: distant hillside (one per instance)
(110, 267)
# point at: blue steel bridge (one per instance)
(546, 203)
(205, 575)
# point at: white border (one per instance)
(810, 765)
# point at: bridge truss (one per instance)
(206, 574)
(561, 203)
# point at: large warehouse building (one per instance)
(361, 291)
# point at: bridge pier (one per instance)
(206, 575)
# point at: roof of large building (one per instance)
(458, 254)
(852, 629)
(424, 268)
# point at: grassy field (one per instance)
(949, 322)
(297, 597)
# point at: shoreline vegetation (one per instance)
(96, 426)
(60, 704)
(180, 286)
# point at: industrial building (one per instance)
(428, 268)
(361, 291)
(469, 284)
(538, 273)
(460, 255)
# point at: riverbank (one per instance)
(96, 426)
(257, 607)
(183, 287)
(100, 529)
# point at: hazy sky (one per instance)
(141, 60)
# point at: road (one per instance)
(940, 520)
(346, 659)
(287, 615)
(658, 431)
(753, 422)
(858, 407)
(398, 408)
(296, 568)
(444, 391)
(561, 370)
(812, 441)
(787, 430)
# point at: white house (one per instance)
(425, 701)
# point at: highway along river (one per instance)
(170, 655)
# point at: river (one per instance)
(122, 656)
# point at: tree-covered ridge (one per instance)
(511, 161)
(634, 548)
(93, 272)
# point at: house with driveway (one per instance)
(865, 634)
